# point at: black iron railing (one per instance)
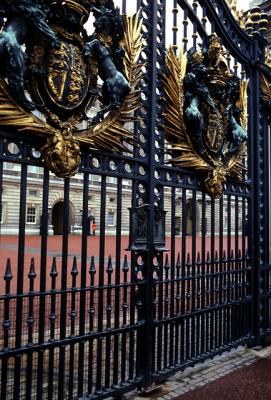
(82, 316)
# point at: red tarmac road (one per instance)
(9, 249)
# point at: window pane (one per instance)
(31, 215)
(110, 220)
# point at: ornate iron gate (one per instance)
(97, 316)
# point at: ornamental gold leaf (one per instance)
(182, 146)
(265, 89)
(174, 126)
(12, 115)
(242, 104)
(111, 133)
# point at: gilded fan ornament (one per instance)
(56, 76)
(205, 115)
(266, 92)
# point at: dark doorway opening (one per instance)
(58, 215)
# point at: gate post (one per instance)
(153, 20)
(258, 234)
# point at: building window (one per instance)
(112, 200)
(112, 179)
(34, 169)
(8, 165)
(95, 178)
(33, 193)
(111, 218)
(31, 215)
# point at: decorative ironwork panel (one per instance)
(121, 269)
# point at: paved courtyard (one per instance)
(32, 249)
(201, 374)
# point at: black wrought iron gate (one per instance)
(82, 316)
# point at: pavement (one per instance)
(32, 251)
(204, 373)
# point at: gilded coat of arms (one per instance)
(49, 64)
(205, 114)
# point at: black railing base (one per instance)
(150, 389)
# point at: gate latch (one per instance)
(139, 228)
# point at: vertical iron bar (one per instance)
(208, 303)
(166, 312)
(221, 275)
(189, 319)
(43, 262)
(74, 273)
(203, 278)
(198, 304)
(160, 314)
(216, 295)
(84, 250)
(101, 285)
(229, 273)
(255, 200)
(108, 371)
(92, 273)
(30, 321)
(212, 286)
(63, 312)
(132, 341)
(6, 325)
(117, 281)
(185, 25)
(178, 299)
(175, 21)
(183, 276)
(20, 281)
(237, 320)
(52, 318)
(193, 273)
(124, 6)
(172, 277)
(225, 291)
(243, 265)
(125, 270)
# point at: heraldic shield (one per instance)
(50, 67)
(66, 79)
(206, 114)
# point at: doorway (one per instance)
(58, 215)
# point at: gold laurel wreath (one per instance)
(174, 127)
(111, 133)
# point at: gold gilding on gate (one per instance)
(63, 66)
(205, 114)
(62, 153)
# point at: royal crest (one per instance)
(59, 70)
(67, 77)
(66, 81)
(205, 114)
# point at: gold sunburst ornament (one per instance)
(205, 114)
(61, 73)
(265, 85)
